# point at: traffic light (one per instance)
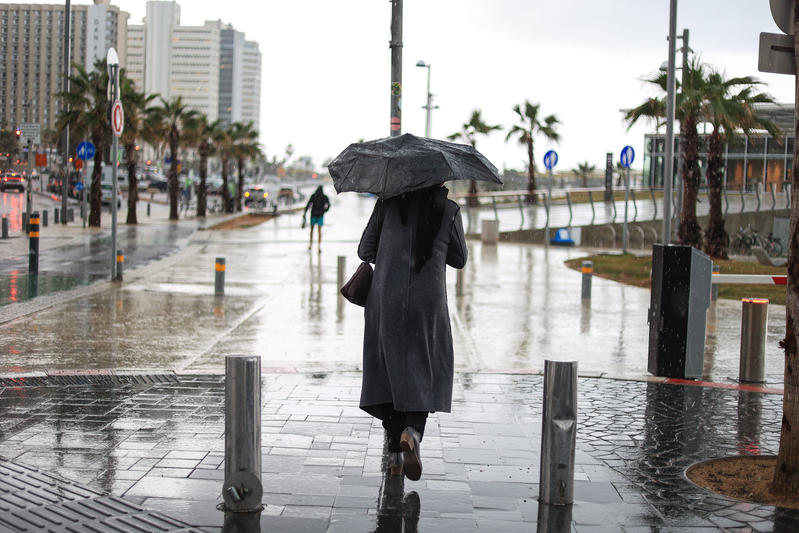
(18, 132)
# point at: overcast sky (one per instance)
(326, 66)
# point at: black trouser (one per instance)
(396, 422)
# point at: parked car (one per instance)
(105, 197)
(12, 180)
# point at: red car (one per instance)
(12, 180)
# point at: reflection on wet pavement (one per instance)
(323, 459)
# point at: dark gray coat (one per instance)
(407, 345)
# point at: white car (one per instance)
(105, 198)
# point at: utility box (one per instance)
(680, 297)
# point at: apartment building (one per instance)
(32, 54)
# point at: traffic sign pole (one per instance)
(626, 159)
(550, 160)
(86, 151)
(114, 156)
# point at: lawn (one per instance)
(636, 270)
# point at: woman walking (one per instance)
(407, 354)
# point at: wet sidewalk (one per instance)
(118, 386)
(160, 446)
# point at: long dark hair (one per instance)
(431, 202)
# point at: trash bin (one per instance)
(680, 296)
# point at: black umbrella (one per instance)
(396, 165)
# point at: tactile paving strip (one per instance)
(35, 501)
(88, 379)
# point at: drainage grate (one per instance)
(61, 380)
(34, 501)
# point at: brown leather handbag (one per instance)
(356, 290)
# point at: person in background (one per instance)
(408, 356)
(319, 205)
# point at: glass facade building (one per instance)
(755, 160)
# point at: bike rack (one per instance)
(757, 195)
(654, 203)
(635, 205)
(743, 199)
(569, 202)
(613, 203)
(726, 202)
(612, 235)
(641, 232)
(773, 197)
(593, 211)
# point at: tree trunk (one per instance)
(690, 234)
(786, 473)
(202, 190)
(240, 188)
(531, 197)
(472, 200)
(173, 174)
(716, 238)
(133, 187)
(95, 193)
(226, 199)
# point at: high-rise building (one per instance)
(32, 54)
(211, 67)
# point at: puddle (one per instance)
(19, 286)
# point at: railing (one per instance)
(515, 213)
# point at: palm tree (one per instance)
(469, 131)
(135, 105)
(224, 146)
(688, 107)
(727, 107)
(245, 146)
(87, 101)
(583, 170)
(530, 125)
(172, 117)
(201, 135)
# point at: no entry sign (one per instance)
(117, 118)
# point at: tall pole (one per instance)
(667, 178)
(67, 61)
(396, 68)
(428, 123)
(682, 145)
(114, 183)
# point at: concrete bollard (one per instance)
(489, 231)
(219, 284)
(459, 282)
(5, 227)
(120, 263)
(242, 489)
(44, 218)
(588, 272)
(714, 287)
(754, 322)
(33, 238)
(559, 433)
(341, 265)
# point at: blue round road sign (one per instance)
(550, 159)
(85, 150)
(79, 186)
(627, 156)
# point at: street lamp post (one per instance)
(670, 89)
(113, 74)
(67, 61)
(428, 124)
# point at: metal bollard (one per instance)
(459, 282)
(219, 285)
(754, 322)
(559, 433)
(148, 209)
(33, 238)
(341, 265)
(25, 222)
(5, 227)
(588, 271)
(714, 290)
(70, 215)
(55, 215)
(120, 263)
(44, 218)
(242, 490)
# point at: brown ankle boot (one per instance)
(409, 442)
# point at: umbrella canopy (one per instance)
(396, 165)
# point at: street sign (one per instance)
(550, 159)
(782, 12)
(30, 133)
(627, 156)
(85, 150)
(117, 118)
(776, 54)
(79, 186)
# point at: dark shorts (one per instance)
(317, 221)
